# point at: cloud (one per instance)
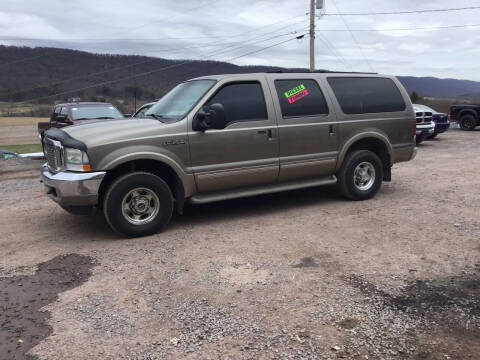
(224, 29)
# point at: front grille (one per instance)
(423, 117)
(54, 154)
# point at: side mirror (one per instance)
(210, 117)
(61, 118)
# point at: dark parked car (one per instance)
(467, 116)
(439, 119)
(78, 113)
(141, 111)
(5, 155)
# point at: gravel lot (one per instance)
(298, 275)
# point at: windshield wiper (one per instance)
(105, 117)
(159, 117)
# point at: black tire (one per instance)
(468, 122)
(117, 193)
(434, 135)
(346, 178)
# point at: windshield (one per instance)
(86, 112)
(180, 100)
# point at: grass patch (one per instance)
(23, 149)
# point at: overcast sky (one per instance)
(225, 29)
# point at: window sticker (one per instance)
(296, 93)
(74, 109)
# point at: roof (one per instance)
(289, 75)
(83, 103)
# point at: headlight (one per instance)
(76, 160)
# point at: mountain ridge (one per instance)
(36, 73)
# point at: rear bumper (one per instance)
(72, 189)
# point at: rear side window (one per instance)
(367, 95)
(300, 98)
(242, 102)
(63, 111)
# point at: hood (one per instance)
(90, 121)
(102, 132)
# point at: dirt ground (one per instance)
(297, 275)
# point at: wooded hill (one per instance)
(36, 73)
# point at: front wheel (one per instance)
(360, 176)
(138, 204)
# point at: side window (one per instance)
(141, 113)
(242, 102)
(56, 111)
(63, 111)
(300, 98)
(367, 95)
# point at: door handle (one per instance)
(269, 132)
(331, 130)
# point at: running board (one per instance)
(260, 190)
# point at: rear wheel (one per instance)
(138, 204)
(360, 176)
(468, 122)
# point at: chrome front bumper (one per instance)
(72, 189)
(425, 129)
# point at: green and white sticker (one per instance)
(294, 91)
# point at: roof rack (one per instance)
(318, 71)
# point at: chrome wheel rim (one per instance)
(364, 176)
(140, 206)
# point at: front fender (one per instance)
(111, 161)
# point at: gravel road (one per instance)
(297, 275)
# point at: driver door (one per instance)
(245, 153)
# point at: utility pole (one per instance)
(312, 35)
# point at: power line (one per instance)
(404, 12)
(405, 29)
(154, 39)
(354, 38)
(162, 69)
(248, 42)
(24, 59)
(171, 18)
(332, 49)
(201, 45)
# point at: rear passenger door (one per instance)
(307, 129)
(245, 153)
